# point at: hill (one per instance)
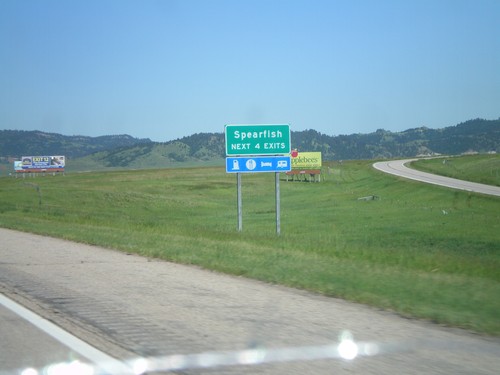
(203, 148)
(124, 151)
(15, 143)
(471, 136)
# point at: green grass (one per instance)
(482, 168)
(423, 251)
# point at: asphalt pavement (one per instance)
(25, 346)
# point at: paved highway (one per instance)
(31, 343)
(398, 168)
(133, 307)
(24, 346)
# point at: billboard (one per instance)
(306, 160)
(18, 166)
(40, 164)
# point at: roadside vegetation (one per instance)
(483, 168)
(423, 251)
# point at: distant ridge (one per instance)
(16, 143)
(124, 151)
(471, 136)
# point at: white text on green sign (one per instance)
(257, 139)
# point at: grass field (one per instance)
(423, 251)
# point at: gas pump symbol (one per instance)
(236, 165)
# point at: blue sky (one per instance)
(168, 69)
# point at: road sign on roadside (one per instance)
(257, 140)
(260, 148)
(258, 164)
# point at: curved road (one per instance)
(398, 168)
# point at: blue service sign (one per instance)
(256, 164)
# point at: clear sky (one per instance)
(168, 69)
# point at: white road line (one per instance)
(103, 361)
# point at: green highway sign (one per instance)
(257, 139)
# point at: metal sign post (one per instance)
(278, 203)
(240, 216)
